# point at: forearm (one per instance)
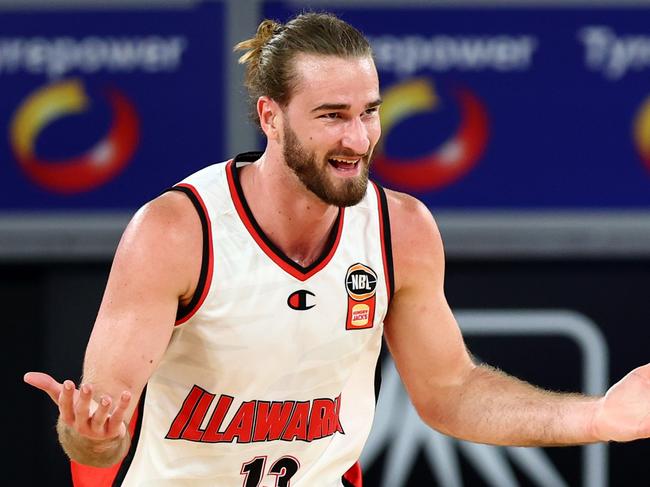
(87, 451)
(492, 407)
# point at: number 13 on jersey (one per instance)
(284, 468)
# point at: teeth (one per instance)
(344, 161)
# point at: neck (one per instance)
(292, 217)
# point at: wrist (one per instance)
(91, 451)
(597, 427)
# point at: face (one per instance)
(331, 126)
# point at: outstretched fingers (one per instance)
(96, 420)
(82, 408)
(79, 411)
(66, 402)
(45, 383)
(98, 423)
(116, 424)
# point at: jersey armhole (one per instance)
(386, 245)
(185, 312)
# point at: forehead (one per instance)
(332, 79)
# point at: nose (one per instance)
(356, 137)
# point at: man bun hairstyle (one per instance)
(270, 53)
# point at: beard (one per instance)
(314, 176)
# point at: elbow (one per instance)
(433, 413)
(441, 405)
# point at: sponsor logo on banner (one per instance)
(614, 55)
(641, 132)
(100, 164)
(361, 286)
(58, 56)
(88, 120)
(406, 55)
(447, 162)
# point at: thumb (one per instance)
(45, 383)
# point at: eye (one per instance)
(371, 111)
(330, 116)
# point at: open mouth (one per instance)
(344, 165)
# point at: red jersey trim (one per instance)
(275, 254)
(353, 477)
(207, 264)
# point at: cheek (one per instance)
(326, 137)
(374, 132)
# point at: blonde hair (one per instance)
(270, 53)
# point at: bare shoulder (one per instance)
(165, 238)
(166, 211)
(170, 219)
(402, 205)
(416, 241)
(412, 224)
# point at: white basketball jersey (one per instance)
(269, 378)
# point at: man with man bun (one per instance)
(238, 337)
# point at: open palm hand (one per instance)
(623, 414)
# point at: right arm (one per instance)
(156, 266)
(451, 393)
(474, 401)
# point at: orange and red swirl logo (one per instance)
(447, 162)
(641, 132)
(84, 172)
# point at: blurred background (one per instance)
(523, 125)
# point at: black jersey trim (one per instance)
(378, 376)
(128, 459)
(387, 241)
(331, 240)
(184, 311)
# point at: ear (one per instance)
(269, 113)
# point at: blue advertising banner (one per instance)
(105, 109)
(510, 108)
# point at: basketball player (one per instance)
(251, 301)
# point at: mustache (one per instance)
(348, 153)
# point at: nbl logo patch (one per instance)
(361, 285)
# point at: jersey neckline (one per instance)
(266, 245)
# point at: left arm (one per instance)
(476, 402)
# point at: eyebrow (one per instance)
(344, 106)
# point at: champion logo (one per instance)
(301, 300)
